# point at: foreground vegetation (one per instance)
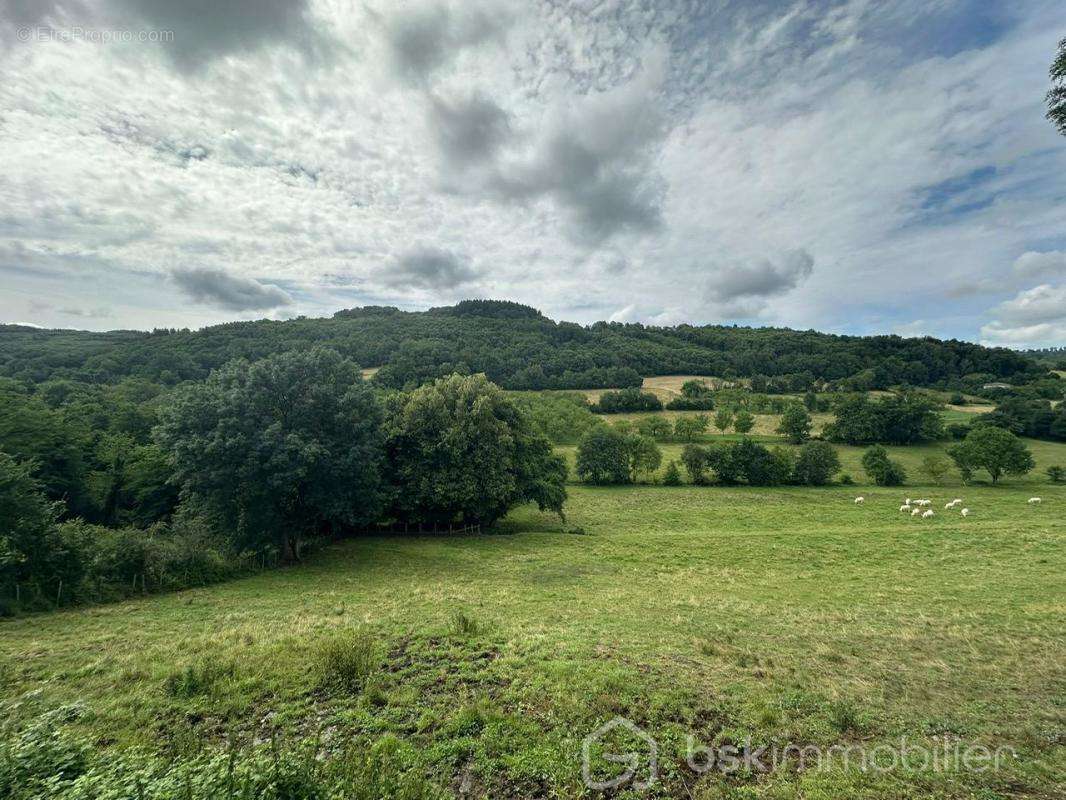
(475, 665)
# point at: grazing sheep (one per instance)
(904, 508)
(861, 500)
(907, 502)
(957, 501)
(951, 505)
(924, 502)
(1035, 501)
(916, 512)
(965, 512)
(928, 514)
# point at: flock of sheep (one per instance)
(921, 507)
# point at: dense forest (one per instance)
(516, 347)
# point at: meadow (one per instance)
(733, 615)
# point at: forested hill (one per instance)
(515, 345)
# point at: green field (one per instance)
(779, 616)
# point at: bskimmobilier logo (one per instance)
(639, 769)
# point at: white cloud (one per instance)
(1033, 318)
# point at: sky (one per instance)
(850, 166)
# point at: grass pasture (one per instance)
(782, 615)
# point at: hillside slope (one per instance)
(516, 346)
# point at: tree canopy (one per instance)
(459, 451)
(280, 448)
(995, 450)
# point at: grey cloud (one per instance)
(1038, 265)
(597, 160)
(429, 268)
(218, 288)
(36, 12)
(609, 261)
(206, 29)
(425, 38)
(468, 130)
(763, 278)
(99, 312)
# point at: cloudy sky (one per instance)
(852, 166)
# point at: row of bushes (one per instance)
(728, 463)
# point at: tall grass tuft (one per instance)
(462, 624)
(347, 661)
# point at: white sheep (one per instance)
(904, 507)
(907, 502)
(957, 501)
(1035, 501)
(965, 512)
(949, 506)
(860, 500)
(916, 512)
(928, 514)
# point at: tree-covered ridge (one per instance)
(514, 345)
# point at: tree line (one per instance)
(518, 348)
(247, 467)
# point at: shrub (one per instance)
(672, 476)
(702, 403)
(625, 400)
(347, 660)
(882, 470)
(196, 679)
(720, 458)
(1055, 474)
(759, 466)
(816, 464)
(602, 457)
(694, 459)
(846, 479)
(462, 624)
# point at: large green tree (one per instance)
(33, 555)
(795, 424)
(995, 450)
(603, 457)
(460, 451)
(280, 450)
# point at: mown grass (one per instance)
(783, 615)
